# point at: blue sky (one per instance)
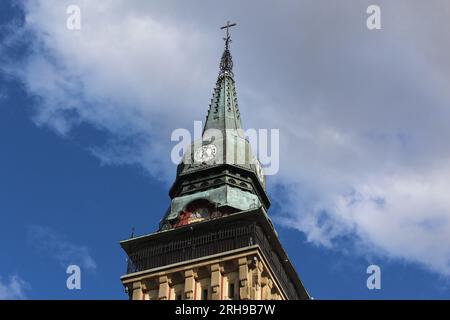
(75, 181)
(52, 182)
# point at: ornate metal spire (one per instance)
(226, 63)
(223, 112)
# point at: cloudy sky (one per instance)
(363, 118)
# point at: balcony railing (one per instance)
(197, 245)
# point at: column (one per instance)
(137, 293)
(243, 279)
(164, 287)
(189, 284)
(264, 288)
(258, 281)
(269, 290)
(215, 282)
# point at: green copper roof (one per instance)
(223, 127)
(220, 168)
(223, 112)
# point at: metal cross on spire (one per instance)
(226, 63)
(228, 38)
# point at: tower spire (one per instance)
(226, 63)
(224, 113)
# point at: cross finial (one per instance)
(226, 63)
(228, 26)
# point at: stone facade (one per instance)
(238, 275)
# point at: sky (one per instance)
(86, 118)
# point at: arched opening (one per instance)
(196, 211)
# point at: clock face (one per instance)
(259, 170)
(205, 153)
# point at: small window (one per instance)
(231, 291)
(205, 294)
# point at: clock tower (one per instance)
(216, 240)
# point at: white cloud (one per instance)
(47, 243)
(128, 78)
(363, 115)
(13, 289)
